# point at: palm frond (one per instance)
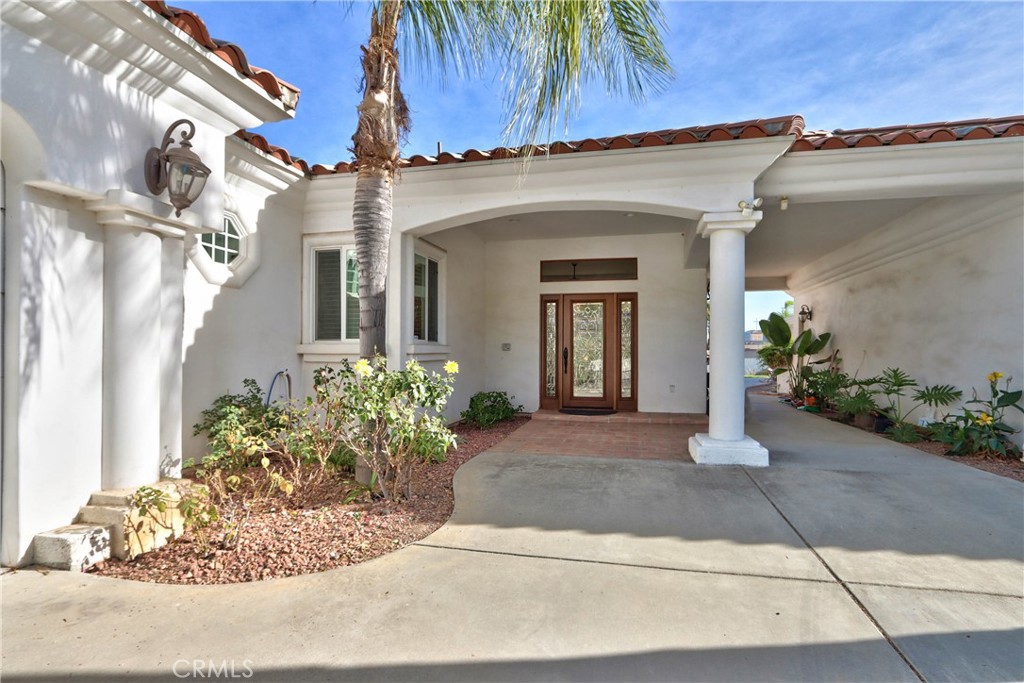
(556, 47)
(547, 50)
(448, 36)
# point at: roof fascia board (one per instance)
(130, 43)
(248, 163)
(899, 171)
(728, 158)
(931, 225)
(685, 181)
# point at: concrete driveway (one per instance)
(850, 558)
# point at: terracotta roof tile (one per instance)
(280, 153)
(973, 129)
(190, 23)
(806, 141)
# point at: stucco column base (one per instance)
(707, 451)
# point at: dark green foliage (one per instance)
(827, 386)
(903, 432)
(233, 424)
(785, 354)
(983, 430)
(488, 408)
(895, 382)
(857, 398)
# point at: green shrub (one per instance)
(236, 426)
(488, 408)
(389, 419)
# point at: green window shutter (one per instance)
(328, 294)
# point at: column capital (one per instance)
(727, 220)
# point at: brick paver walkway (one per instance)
(639, 436)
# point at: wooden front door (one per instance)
(588, 351)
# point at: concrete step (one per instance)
(132, 534)
(110, 526)
(123, 497)
(113, 518)
(74, 547)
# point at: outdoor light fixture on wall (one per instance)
(805, 314)
(179, 170)
(748, 207)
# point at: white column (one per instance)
(131, 357)
(172, 324)
(725, 443)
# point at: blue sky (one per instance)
(839, 64)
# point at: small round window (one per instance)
(223, 247)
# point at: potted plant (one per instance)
(856, 403)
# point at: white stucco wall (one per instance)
(251, 330)
(938, 293)
(78, 119)
(670, 308)
(59, 371)
(464, 322)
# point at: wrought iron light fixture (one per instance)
(179, 170)
(805, 314)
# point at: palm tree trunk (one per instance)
(383, 114)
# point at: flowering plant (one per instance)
(984, 430)
(390, 419)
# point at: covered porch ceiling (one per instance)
(783, 241)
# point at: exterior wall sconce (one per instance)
(179, 170)
(805, 314)
(748, 207)
(784, 203)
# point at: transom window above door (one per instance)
(588, 270)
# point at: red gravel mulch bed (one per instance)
(316, 531)
(1004, 467)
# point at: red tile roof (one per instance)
(911, 134)
(280, 153)
(190, 23)
(757, 128)
(974, 129)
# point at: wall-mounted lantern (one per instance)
(179, 170)
(805, 314)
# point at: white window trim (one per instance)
(422, 346)
(310, 345)
(232, 274)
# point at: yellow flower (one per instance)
(362, 368)
(984, 419)
(995, 377)
(451, 367)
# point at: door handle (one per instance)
(565, 359)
